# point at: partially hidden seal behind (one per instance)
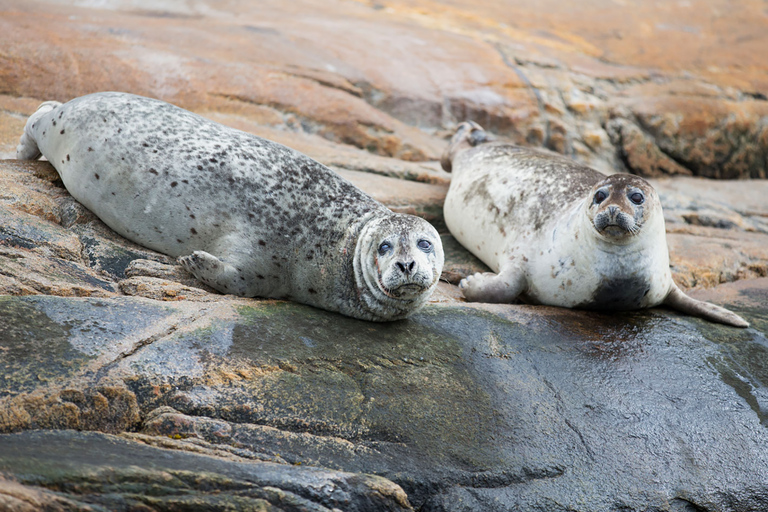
(559, 233)
(244, 215)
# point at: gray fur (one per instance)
(245, 215)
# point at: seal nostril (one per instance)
(405, 267)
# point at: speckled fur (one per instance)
(245, 215)
(531, 216)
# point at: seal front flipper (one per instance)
(503, 287)
(214, 272)
(681, 302)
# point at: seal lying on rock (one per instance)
(559, 233)
(244, 215)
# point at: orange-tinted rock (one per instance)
(393, 79)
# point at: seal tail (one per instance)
(468, 134)
(27, 148)
(681, 302)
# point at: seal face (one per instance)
(559, 233)
(243, 214)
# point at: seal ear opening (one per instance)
(468, 134)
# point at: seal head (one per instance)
(620, 205)
(397, 264)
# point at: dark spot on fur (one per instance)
(152, 171)
(213, 160)
(97, 175)
(90, 149)
(113, 193)
(174, 183)
(145, 144)
(54, 122)
(62, 131)
(242, 278)
(262, 242)
(119, 130)
(193, 231)
(67, 158)
(260, 276)
(185, 181)
(199, 167)
(192, 215)
(179, 241)
(312, 291)
(618, 294)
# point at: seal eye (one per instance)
(600, 196)
(384, 248)
(425, 245)
(637, 198)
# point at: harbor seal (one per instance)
(244, 215)
(558, 233)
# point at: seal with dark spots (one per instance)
(558, 233)
(255, 209)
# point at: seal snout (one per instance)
(614, 222)
(406, 267)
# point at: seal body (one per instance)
(243, 214)
(559, 233)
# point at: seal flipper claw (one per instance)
(681, 302)
(215, 273)
(503, 287)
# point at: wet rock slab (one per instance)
(465, 408)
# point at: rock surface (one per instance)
(126, 385)
(664, 89)
(463, 407)
(466, 408)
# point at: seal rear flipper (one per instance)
(468, 134)
(681, 302)
(503, 287)
(215, 273)
(27, 148)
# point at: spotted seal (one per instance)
(244, 215)
(559, 233)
